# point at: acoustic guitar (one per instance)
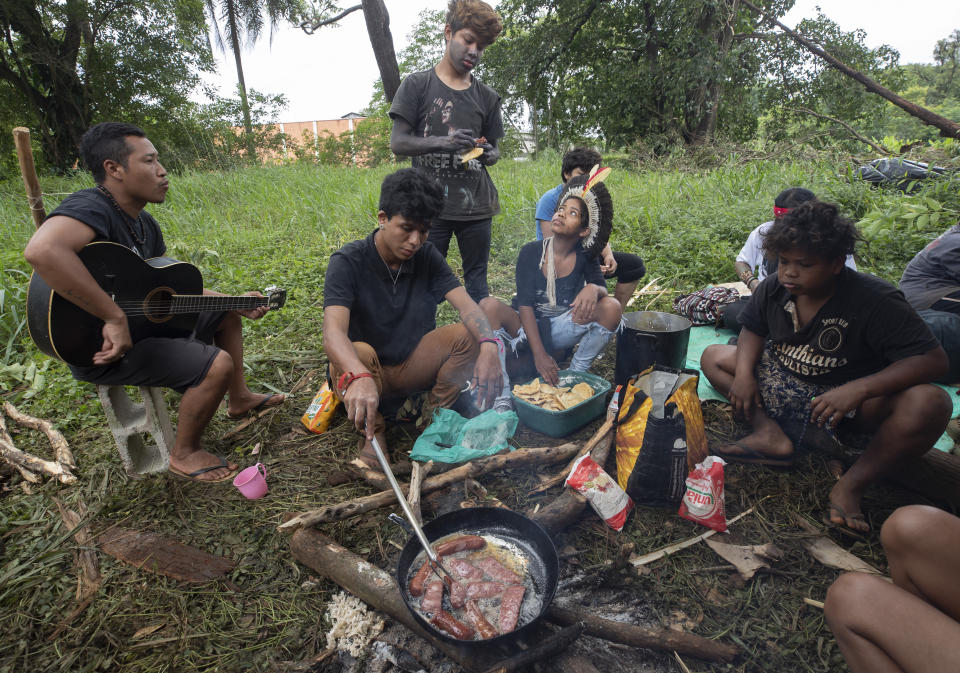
(162, 297)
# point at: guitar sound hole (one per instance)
(158, 304)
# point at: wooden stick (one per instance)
(547, 648)
(598, 437)
(637, 636)
(15, 456)
(813, 603)
(345, 510)
(61, 450)
(417, 474)
(670, 549)
(21, 138)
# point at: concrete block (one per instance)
(142, 431)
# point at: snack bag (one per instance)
(606, 497)
(703, 501)
(317, 417)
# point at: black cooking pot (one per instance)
(650, 337)
(543, 565)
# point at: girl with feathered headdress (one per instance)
(562, 298)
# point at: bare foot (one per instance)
(845, 509)
(241, 405)
(200, 460)
(368, 455)
(767, 440)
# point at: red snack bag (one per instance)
(604, 494)
(703, 501)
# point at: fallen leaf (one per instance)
(832, 555)
(747, 559)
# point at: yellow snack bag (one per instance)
(318, 415)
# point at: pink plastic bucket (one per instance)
(252, 482)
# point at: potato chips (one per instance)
(553, 398)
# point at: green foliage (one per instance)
(72, 64)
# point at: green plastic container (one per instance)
(563, 423)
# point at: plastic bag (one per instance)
(604, 494)
(703, 501)
(451, 438)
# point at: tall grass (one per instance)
(253, 227)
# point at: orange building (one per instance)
(310, 132)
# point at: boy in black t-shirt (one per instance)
(827, 345)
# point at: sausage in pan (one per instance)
(485, 628)
(462, 543)
(416, 584)
(444, 620)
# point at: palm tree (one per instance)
(245, 18)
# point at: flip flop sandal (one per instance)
(203, 470)
(262, 406)
(843, 526)
(751, 456)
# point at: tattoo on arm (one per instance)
(476, 321)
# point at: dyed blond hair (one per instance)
(476, 16)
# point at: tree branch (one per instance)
(850, 129)
(310, 27)
(948, 128)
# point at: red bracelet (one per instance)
(347, 378)
(488, 340)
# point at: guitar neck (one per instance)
(199, 303)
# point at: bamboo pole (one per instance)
(21, 138)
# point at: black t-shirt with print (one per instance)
(390, 316)
(865, 326)
(96, 211)
(532, 284)
(434, 109)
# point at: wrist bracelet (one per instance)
(347, 378)
(489, 340)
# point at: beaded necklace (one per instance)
(140, 238)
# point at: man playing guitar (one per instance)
(204, 367)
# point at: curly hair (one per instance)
(793, 197)
(816, 228)
(412, 193)
(474, 15)
(583, 158)
(107, 140)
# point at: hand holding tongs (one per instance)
(432, 557)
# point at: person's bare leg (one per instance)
(718, 363)
(905, 426)
(882, 628)
(196, 409)
(500, 315)
(923, 549)
(622, 293)
(241, 399)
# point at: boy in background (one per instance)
(627, 268)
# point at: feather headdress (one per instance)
(590, 189)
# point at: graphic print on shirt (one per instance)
(453, 174)
(814, 358)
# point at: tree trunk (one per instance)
(948, 129)
(378, 29)
(234, 35)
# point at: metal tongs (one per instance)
(432, 557)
